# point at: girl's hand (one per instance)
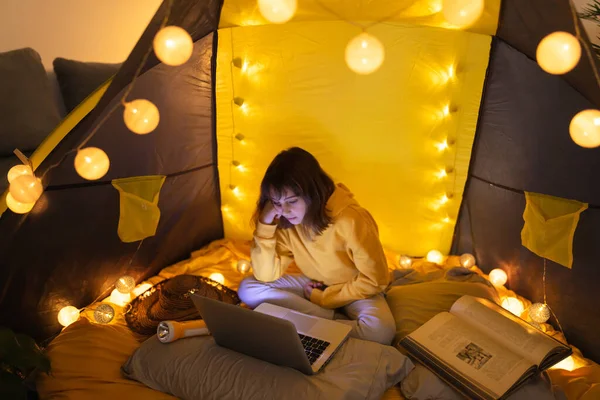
(269, 214)
(308, 288)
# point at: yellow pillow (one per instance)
(86, 364)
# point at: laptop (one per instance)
(274, 334)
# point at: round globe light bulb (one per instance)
(405, 261)
(364, 54)
(539, 313)
(67, 315)
(513, 305)
(244, 266)
(435, 256)
(26, 189)
(217, 277)
(118, 298)
(585, 128)
(467, 260)
(140, 289)
(125, 284)
(141, 116)
(462, 13)
(91, 163)
(558, 53)
(17, 171)
(16, 206)
(104, 313)
(498, 277)
(277, 11)
(173, 45)
(566, 364)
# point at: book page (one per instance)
(503, 326)
(465, 349)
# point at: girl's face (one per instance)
(289, 206)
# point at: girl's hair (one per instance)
(299, 171)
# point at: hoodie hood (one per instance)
(341, 199)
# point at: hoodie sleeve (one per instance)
(359, 229)
(270, 253)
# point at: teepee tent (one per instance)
(440, 143)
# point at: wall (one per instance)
(85, 30)
(592, 28)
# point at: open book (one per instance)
(483, 350)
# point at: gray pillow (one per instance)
(197, 368)
(77, 79)
(28, 112)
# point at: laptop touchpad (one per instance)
(302, 323)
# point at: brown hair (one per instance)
(299, 171)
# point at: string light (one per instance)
(244, 266)
(513, 305)
(141, 116)
(435, 256)
(446, 110)
(16, 206)
(234, 189)
(26, 189)
(442, 145)
(241, 138)
(442, 173)
(558, 53)
(566, 364)
(277, 11)
(585, 128)
(67, 315)
(498, 277)
(125, 284)
(91, 163)
(467, 260)
(364, 54)
(18, 170)
(539, 313)
(104, 313)
(405, 261)
(462, 13)
(140, 289)
(173, 45)
(217, 277)
(119, 299)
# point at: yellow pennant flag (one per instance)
(139, 212)
(550, 224)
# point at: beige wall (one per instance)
(592, 28)
(94, 30)
(85, 30)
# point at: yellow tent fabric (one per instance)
(399, 138)
(139, 212)
(417, 12)
(550, 224)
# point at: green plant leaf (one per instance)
(11, 386)
(22, 352)
(29, 355)
(7, 340)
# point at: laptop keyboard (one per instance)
(313, 347)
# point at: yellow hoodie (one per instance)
(347, 256)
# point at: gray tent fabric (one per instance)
(523, 144)
(523, 24)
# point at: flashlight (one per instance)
(169, 331)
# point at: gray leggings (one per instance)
(370, 319)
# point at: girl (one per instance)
(303, 216)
